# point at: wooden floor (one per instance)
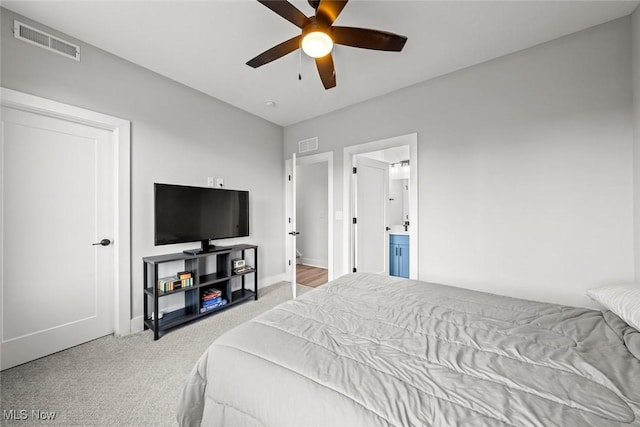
(311, 276)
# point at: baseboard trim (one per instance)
(137, 325)
(272, 280)
(313, 262)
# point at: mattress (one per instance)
(372, 350)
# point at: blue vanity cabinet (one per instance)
(399, 255)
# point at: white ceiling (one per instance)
(205, 44)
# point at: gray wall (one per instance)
(311, 213)
(178, 136)
(526, 171)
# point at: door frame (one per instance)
(121, 133)
(308, 160)
(349, 152)
(290, 220)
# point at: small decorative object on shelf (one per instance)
(206, 291)
(240, 266)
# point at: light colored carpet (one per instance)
(130, 381)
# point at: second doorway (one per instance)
(313, 215)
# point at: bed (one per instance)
(372, 350)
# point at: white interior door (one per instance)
(291, 222)
(371, 187)
(58, 200)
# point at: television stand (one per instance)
(211, 272)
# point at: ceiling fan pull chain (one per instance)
(299, 64)
(335, 60)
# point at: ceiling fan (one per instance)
(319, 34)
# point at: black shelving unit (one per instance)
(223, 278)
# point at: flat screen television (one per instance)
(190, 214)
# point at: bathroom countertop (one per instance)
(399, 230)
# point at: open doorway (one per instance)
(312, 249)
(384, 227)
(311, 178)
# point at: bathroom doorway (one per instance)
(382, 237)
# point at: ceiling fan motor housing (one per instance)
(314, 3)
(316, 24)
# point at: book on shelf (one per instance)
(211, 301)
(220, 303)
(175, 282)
(211, 293)
(244, 269)
(184, 275)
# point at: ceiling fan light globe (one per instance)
(317, 44)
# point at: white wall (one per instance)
(526, 173)
(311, 213)
(178, 136)
(636, 120)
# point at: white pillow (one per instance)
(623, 300)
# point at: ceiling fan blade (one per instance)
(275, 52)
(329, 10)
(327, 71)
(287, 11)
(368, 39)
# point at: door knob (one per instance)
(103, 242)
(294, 233)
(387, 228)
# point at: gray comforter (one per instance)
(370, 350)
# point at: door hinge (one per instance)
(355, 170)
(354, 269)
(289, 177)
(289, 220)
(355, 220)
(289, 262)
